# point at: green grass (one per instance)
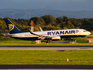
(80, 40)
(12, 41)
(17, 57)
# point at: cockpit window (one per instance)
(77, 31)
(84, 31)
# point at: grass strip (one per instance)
(17, 57)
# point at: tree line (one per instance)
(49, 22)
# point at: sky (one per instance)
(75, 5)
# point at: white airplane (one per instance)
(14, 32)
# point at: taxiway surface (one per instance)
(45, 48)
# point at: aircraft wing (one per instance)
(42, 36)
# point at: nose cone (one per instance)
(88, 33)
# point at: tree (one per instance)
(69, 25)
(2, 24)
(60, 22)
(59, 19)
(75, 22)
(49, 19)
(65, 19)
(50, 27)
(38, 20)
(65, 28)
(87, 25)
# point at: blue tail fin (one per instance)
(11, 27)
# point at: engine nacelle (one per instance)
(56, 38)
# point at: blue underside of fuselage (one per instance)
(34, 38)
(72, 36)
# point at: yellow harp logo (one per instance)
(11, 27)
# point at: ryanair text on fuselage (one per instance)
(62, 32)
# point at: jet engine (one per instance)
(56, 38)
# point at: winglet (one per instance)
(40, 29)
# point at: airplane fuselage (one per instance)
(62, 33)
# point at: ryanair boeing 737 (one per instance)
(14, 32)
